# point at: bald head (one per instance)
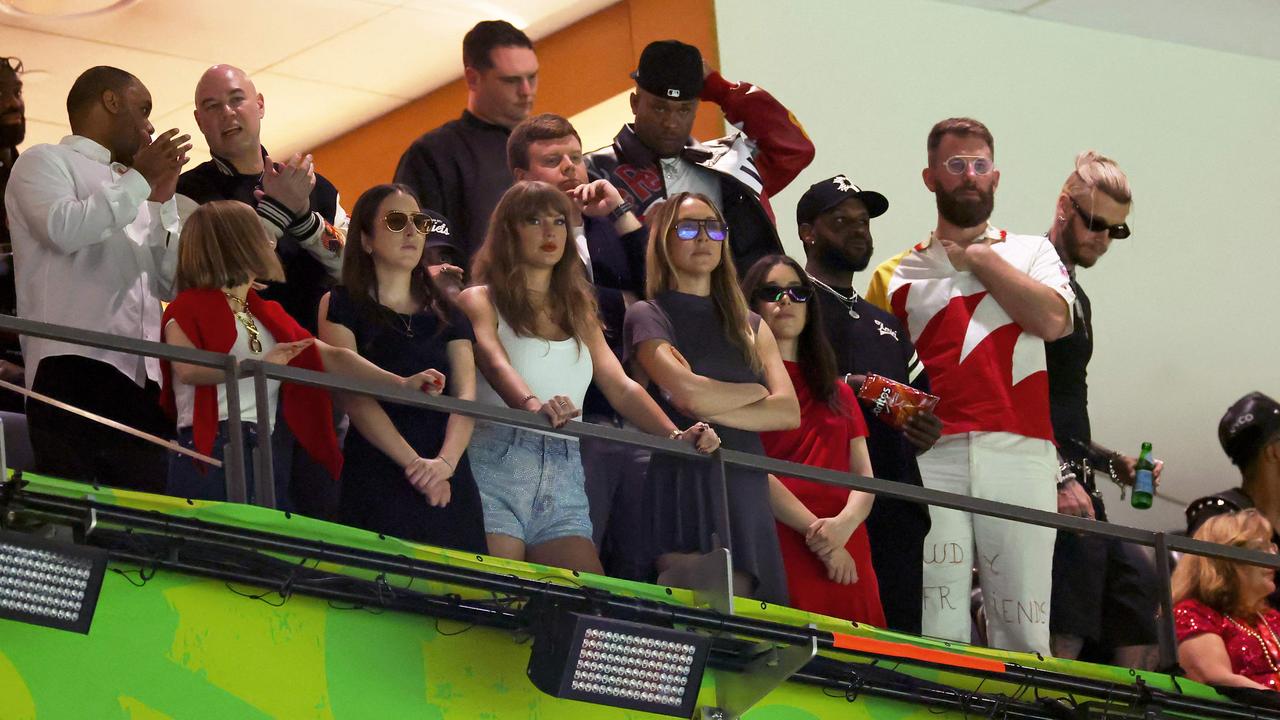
(229, 111)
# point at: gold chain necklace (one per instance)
(251, 327)
(1266, 651)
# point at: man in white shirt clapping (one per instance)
(95, 235)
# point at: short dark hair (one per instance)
(88, 88)
(480, 41)
(959, 126)
(547, 126)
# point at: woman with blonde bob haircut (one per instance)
(539, 344)
(1227, 634)
(706, 357)
(224, 252)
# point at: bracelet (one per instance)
(527, 398)
(675, 434)
(446, 462)
(617, 213)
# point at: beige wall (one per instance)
(1185, 310)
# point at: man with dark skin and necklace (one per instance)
(834, 219)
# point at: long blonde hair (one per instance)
(1214, 581)
(571, 299)
(726, 295)
(1095, 171)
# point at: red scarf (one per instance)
(209, 323)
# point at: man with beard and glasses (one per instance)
(834, 220)
(612, 243)
(13, 129)
(1103, 605)
(979, 302)
(95, 234)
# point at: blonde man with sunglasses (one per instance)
(1103, 607)
(979, 303)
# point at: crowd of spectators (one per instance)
(642, 285)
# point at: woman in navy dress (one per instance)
(406, 472)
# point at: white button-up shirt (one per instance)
(90, 251)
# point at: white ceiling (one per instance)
(323, 66)
(1245, 27)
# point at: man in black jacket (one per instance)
(460, 168)
(834, 222)
(298, 207)
(654, 157)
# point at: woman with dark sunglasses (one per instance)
(706, 357)
(539, 344)
(824, 543)
(406, 472)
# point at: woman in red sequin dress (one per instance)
(1227, 634)
(820, 527)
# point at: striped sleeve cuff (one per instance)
(275, 213)
(304, 227)
(914, 367)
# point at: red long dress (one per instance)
(822, 440)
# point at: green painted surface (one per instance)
(179, 646)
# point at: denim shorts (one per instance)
(531, 484)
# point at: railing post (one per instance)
(720, 503)
(264, 480)
(1165, 630)
(233, 451)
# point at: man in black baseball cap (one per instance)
(834, 219)
(655, 157)
(443, 257)
(1250, 436)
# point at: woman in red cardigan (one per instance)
(224, 252)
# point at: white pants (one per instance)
(1014, 560)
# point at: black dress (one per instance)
(679, 501)
(375, 493)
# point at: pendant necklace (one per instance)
(246, 319)
(848, 302)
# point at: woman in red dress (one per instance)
(824, 542)
(1227, 634)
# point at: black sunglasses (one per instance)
(15, 64)
(774, 293)
(422, 222)
(1117, 232)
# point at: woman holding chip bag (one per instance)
(824, 541)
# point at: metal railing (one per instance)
(264, 482)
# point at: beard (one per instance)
(13, 135)
(1071, 245)
(966, 212)
(835, 258)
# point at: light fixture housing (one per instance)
(49, 583)
(619, 663)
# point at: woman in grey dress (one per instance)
(706, 357)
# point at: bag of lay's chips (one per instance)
(893, 402)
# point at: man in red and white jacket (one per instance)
(979, 304)
(654, 157)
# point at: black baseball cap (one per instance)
(824, 195)
(439, 233)
(1247, 426)
(670, 69)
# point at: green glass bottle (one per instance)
(1144, 479)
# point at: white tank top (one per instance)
(549, 367)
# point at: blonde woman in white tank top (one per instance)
(538, 346)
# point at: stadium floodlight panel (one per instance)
(49, 583)
(619, 663)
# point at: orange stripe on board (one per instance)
(911, 652)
